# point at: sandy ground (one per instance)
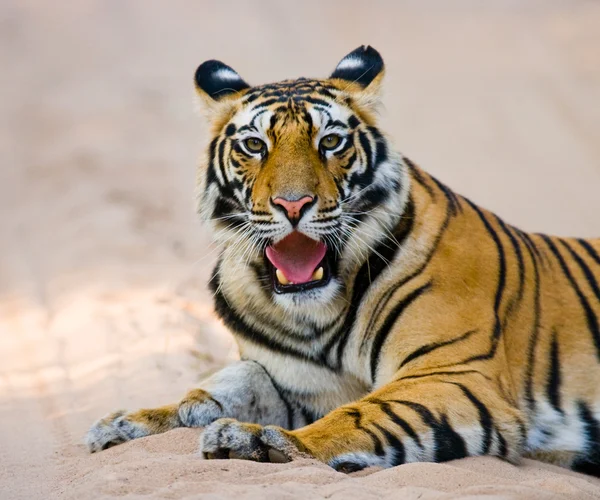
(103, 264)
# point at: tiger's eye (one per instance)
(330, 141)
(255, 145)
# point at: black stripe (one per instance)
(219, 405)
(381, 151)
(351, 160)
(309, 415)
(230, 130)
(377, 444)
(250, 127)
(221, 160)
(394, 443)
(522, 432)
(485, 417)
(280, 392)
(451, 197)
(590, 464)
(211, 175)
(334, 123)
(589, 276)
(449, 445)
(426, 349)
(497, 332)
(326, 91)
(228, 206)
(418, 177)
(554, 378)
(266, 103)
(590, 250)
(502, 448)
(399, 421)
(235, 164)
(592, 320)
(372, 197)
(518, 253)
(317, 101)
(356, 415)
(392, 317)
(531, 245)
(256, 117)
(535, 329)
(440, 373)
(366, 177)
(353, 122)
(323, 220)
(591, 426)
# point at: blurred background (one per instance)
(103, 263)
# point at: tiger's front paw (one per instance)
(228, 438)
(199, 408)
(115, 428)
(118, 427)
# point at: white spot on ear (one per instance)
(226, 74)
(350, 63)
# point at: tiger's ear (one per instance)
(363, 70)
(217, 83)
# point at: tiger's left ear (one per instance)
(363, 70)
(217, 83)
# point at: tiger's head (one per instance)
(298, 181)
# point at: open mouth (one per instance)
(298, 263)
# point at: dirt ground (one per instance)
(103, 263)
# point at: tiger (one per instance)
(381, 318)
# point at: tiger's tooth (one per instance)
(281, 277)
(318, 274)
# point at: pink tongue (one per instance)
(297, 256)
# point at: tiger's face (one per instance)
(299, 182)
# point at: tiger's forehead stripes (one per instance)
(287, 107)
(298, 89)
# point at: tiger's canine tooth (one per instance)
(318, 274)
(281, 277)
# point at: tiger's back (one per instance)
(546, 305)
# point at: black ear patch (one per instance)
(361, 66)
(218, 80)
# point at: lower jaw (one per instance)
(281, 289)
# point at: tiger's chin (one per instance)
(309, 302)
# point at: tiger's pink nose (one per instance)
(293, 208)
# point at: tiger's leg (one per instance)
(243, 390)
(434, 418)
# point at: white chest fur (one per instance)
(323, 387)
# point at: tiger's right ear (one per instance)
(361, 73)
(217, 83)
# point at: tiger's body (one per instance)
(432, 329)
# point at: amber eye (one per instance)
(255, 145)
(330, 142)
